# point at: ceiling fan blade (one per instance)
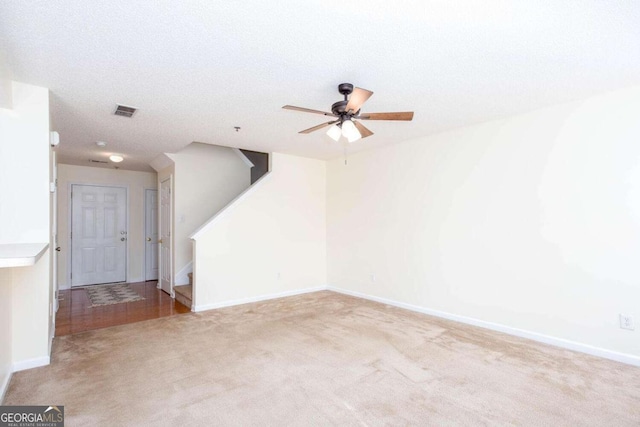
(407, 115)
(362, 129)
(315, 128)
(307, 110)
(358, 97)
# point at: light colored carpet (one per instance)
(115, 293)
(323, 359)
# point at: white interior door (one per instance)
(98, 234)
(166, 281)
(151, 234)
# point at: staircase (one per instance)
(184, 293)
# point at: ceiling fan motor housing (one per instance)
(345, 89)
(339, 108)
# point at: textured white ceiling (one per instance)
(197, 69)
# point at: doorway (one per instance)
(98, 234)
(151, 234)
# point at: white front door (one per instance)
(166, 282)
(151, 234)
(98, 234)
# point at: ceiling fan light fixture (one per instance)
(350, 131)
(334, 132)
(345, 111)
(354, 138)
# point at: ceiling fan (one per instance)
(347, 111)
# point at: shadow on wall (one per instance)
(260, 164)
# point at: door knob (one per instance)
(58, 249)
(148, 239)
(123, 239)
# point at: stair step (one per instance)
(184, 294)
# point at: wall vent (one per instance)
(124, 111)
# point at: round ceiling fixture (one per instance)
(116, 158)
(101, 144)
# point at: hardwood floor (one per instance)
(75, 313)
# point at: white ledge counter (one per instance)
(21, 254)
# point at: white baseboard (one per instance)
(230, 303)
(31, 363)
(558, 342)
(182, 277)
(4, 386)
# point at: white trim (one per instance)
(193, 271)
(257, 299)
(227, 208)
(70, 228)
(31, 363)
(144, 233)
(52, 332)
(182, 277)
(5, 386)
(535, 336)
(244, 158)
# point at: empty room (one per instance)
(320, 213)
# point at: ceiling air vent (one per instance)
(124, 111)
(98, 161)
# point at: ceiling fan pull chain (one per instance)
(345, 154)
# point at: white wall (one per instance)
(25, 321)
(531, 222)
(25, 292)
(24, 166)
(136, 183)
(6, 332)
(206, 178)
(269, 241)
(6, 92)
(30, 315)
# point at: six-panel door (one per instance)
(99, 234)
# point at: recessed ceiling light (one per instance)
(101, 143)
(115, 158)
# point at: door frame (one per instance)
(54, 233)
(70, 226)
(171, 234)
(144, 237)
